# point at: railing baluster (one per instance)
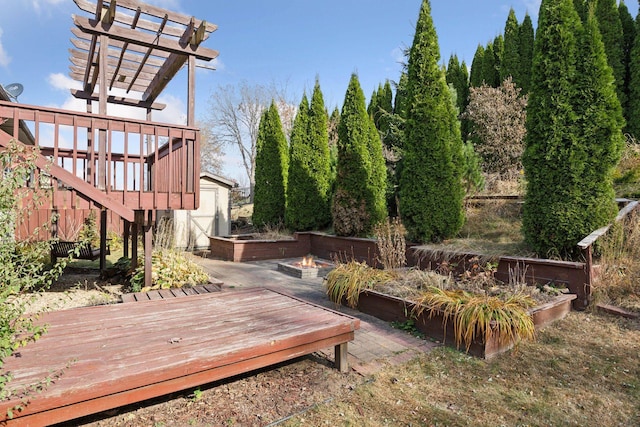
(166, 157)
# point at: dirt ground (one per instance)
(262, 398)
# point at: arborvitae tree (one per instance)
(431, 191)
(629, 35)
(633, 104)
(498, 53)
(380, 109)
(400, 101)
(309, 169)
(573, 133)
(490, 74)
(611, 30)
(465, 126)
(599, 129)
(298, 148)
(377, 177)
(526, 54)
(511, 56)
(334, 120)
(373, 102)
(356, 203)
(271, 170)
(475, 77)
(458, 78)
(385, 108)
(582, 7)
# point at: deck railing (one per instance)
(144, 165)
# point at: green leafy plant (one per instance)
(23, 263)
(408, 326)
(171, 268)
(88, 233)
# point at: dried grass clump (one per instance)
(275, 232)
(347, 280)
(619, 279)
(391, 243)
(480, 316)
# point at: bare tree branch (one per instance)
(234, 117)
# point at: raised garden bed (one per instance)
(246, 247)
(243, 248)
(394, 309)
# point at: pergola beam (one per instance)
(131, 102)
(92, 26)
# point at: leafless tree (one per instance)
(234, 117)
(211, 152)
(498, 116)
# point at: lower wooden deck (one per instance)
(103, 357)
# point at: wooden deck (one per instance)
(172, 293)
(113, 355)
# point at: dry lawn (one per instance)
(493, 227)
(581, 371)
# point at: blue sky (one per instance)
(286, 42)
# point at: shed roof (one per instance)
(218, 179)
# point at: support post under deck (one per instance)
(125, 238)
(341, 354)
(103, 240)
(148, 249)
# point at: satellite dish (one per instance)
(14, 90)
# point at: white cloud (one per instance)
(166, 4)
(39, 5)
(174, 113)
(5, 59)
(398, 55)
(61, 82)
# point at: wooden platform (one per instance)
(172, 293)
(112, 355)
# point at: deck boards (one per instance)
(117, 354)
(170, 293)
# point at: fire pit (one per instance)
(305, 268)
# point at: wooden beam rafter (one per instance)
(113, 44)
(124, 49)
(79, 59)
(150, 10)
(131, 102)
(124, 34)
(141, 88)
(142, 47)
(146, 56)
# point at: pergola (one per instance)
(138, 48)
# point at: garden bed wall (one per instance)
(243, 248)
(393, 309)
(572, 275)
(344, 248)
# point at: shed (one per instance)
(213, 217)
